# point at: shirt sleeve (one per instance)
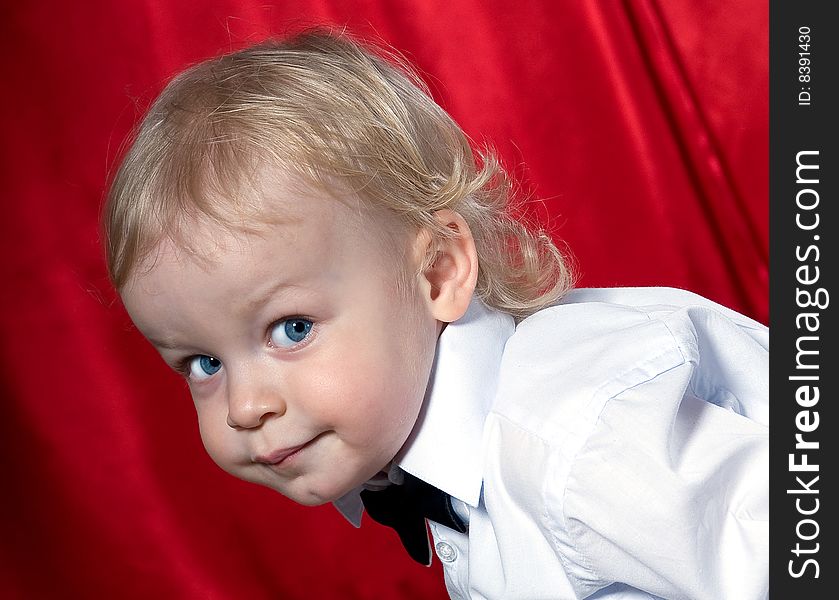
(669, 491)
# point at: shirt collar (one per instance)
(445, 446)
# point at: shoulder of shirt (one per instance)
(568, 359)
(655, 301)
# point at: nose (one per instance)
(250, 403)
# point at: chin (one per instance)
(311, 501)
(307, 497)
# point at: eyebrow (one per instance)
(168, 344)
(248, 304)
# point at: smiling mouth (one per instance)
(278, 457)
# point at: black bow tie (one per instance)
(406, 507)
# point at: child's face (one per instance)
(306, 366)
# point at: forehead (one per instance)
(278, 212)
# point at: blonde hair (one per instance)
(327, 108)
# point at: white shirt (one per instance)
(612, 446)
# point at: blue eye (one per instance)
(289, 332)
(203, 367)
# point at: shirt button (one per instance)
(446, 552)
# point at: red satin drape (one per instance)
(640, 124)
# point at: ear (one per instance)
(451, 268)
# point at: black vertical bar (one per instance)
(803, 61)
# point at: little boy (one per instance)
(305, 236)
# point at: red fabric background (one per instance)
(642, 124)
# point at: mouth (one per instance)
(281, 456)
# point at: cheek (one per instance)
(355, 391)
(216, 436)
(377, 388)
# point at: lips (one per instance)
(278, 456)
